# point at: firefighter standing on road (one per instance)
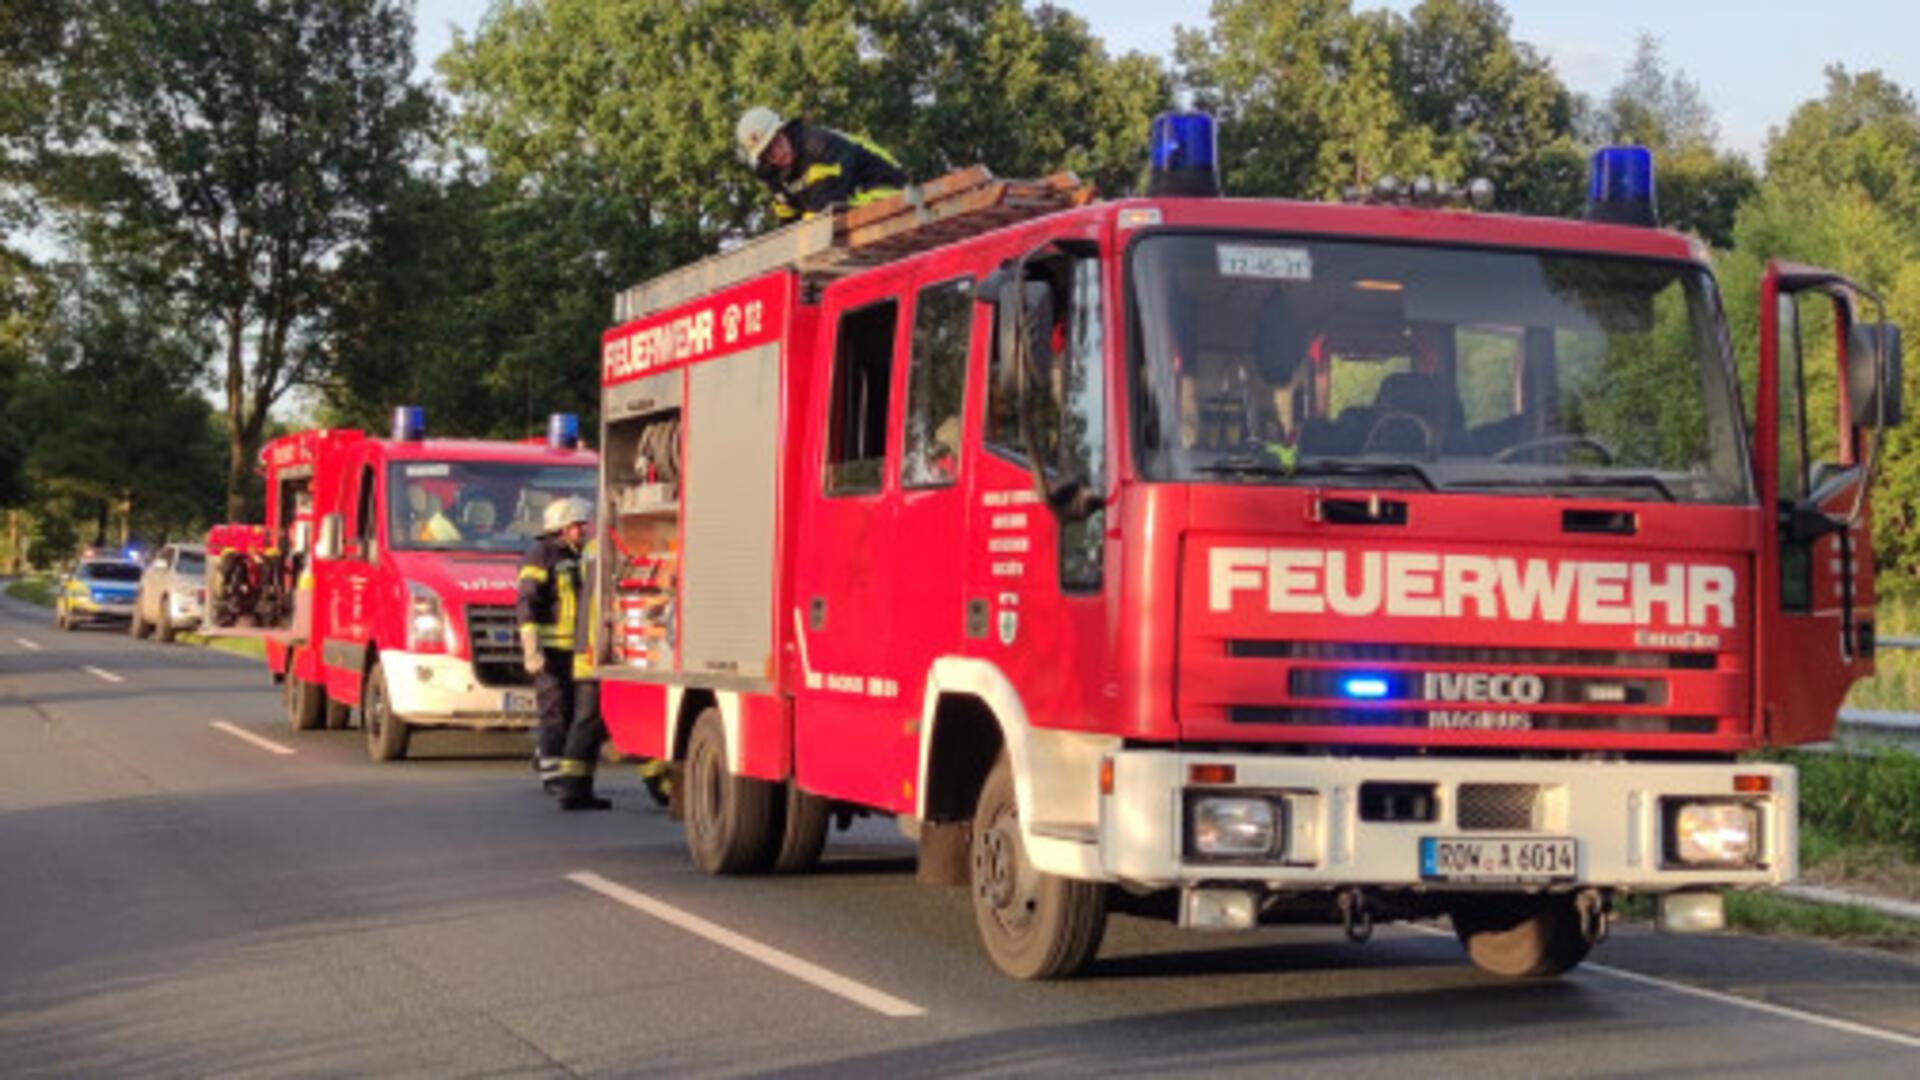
(550, 610)
(811, 169)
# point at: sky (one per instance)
(1754, 60)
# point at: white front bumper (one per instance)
(1612, 809)
(431, 690)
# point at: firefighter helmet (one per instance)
(561, 513)
(756, 132)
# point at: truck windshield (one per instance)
(476, 505)
(1268, 359)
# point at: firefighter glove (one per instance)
(531, 657)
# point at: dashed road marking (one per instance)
(247, 736)
(807, 972)
(103, 673)
(27, 643)
(1785, 1012)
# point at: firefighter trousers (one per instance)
(553, 699)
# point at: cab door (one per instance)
(346, 588)
(847, 712)
(1817, 621)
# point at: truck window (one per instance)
(862, 377)
(476, 505)
(936, 384)
(364, 522)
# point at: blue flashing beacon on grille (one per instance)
(1365, 687)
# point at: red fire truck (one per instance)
(385, 579)
(1242, 561)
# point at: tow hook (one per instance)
(1355, 916)
(1594, 917)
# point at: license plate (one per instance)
(1448, 858)
(516, 701)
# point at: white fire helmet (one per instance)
(755, 133)
(561, 513)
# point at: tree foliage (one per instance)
(230, 152)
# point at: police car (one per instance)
(97, 589)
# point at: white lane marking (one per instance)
(858, 993)
(247, 736)
(27, 644)
(1785, 1012)
(102, 673)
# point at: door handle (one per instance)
(817, 613)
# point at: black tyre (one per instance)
(338, 717)
(387, 734)
(1522, 937)
(730, 819)
(304, 701)
(163, 631)
(1034, 925)
(802, 835)
(62, 618)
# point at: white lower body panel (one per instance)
(430, 690)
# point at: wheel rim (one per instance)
(376, 711)
(1005, 885)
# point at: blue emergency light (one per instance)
(409, 423)
(1185, 155)
(1620, 190)
(1364, 687)
(563, 431)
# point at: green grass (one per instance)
(1853, 800)
(38, 589)
(1895, 685)
(253, 647)
(1771, 913)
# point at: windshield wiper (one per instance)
(1252, 466)
(1579, 480)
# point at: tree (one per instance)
(231, 153)
(1494, 102)
(1700, 187)
(1306, 97)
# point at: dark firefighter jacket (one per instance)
(830, 169)
(550, 591)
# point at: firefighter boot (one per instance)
(576, 793)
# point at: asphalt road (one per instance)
(175, 899)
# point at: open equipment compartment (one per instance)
(693, 416)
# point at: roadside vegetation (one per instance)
(1895, 685)
(34, 589)
(39, 589)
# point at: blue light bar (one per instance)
(1364, 687)
(409, 423)
(1185, 155)
(563, 431)
(1620, 190)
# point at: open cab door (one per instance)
(1816, 573)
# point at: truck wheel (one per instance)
(803, 832)
(136, 625)
(338, 717)
(730, 819)
(163, 630)
(304, 701)
(386, 733)
(1522, 937)
(1034, 925)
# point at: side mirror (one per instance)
(329, 545)
(302, 540)
(1873, 354)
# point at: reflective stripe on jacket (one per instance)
(831, 168)
(549, 592)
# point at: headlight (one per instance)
(426, 620)
(1233, 826)
(1715, 834)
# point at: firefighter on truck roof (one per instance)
(550, 611)
(811, 169)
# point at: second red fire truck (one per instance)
(384, 577)
(1242, 560)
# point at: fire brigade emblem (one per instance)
(1009, 625)
(730, 323)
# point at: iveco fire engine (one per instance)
(1241, 560)
(384, 578)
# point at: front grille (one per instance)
(1473, 718)
(1366, 652)
(1448, 690)
(493, 640)
(1498, 807)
